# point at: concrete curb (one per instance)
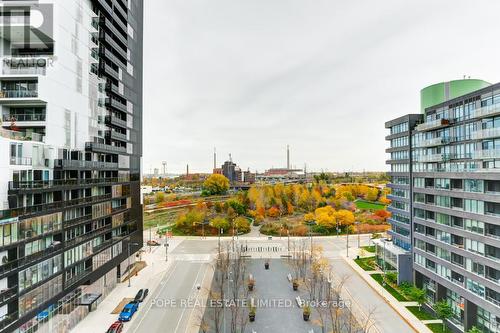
(404, 313)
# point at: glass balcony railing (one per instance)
(430, 158)
(486, 153)
(46, 184)
(487, 111)
(22, 136)
(51, 206)
(85, 164)
(23, 117)
(18, 93)
(486, 133)
(428, 125)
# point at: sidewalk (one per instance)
(150, 277)
(399, 307)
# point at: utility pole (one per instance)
(166, 246)
(347, 243)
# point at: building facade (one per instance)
(71, 146)
(454, 165)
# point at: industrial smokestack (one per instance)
(215, 158)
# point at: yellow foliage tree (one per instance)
(344, 217)
(216, 184)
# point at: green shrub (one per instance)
(391, 278)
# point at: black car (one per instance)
(141, 295)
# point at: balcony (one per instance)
(51, 206)
(18, 93)
(50, 184)
(113, 120)
(486, 154)
(487, 111)
(433, 124)
(9, 118)
(8, 319)
(72, 164)
(21, 136)
(104, 148)
(430, 158)
(7, 294)
(116, 136)
(486, 133)
(433, 142)
(21, 161)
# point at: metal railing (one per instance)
(20, 211)
(23, 117)
(105, 147)
(85, 164)
(21, 161)
(43, 184)
(18, 93)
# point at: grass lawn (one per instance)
(369, 248)
(438, 328)
(370, 205)
(368, 264)
(420, 314)
(380, 279)
(165, 217)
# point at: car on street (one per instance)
(128, 311)
(141, 295)
(116, 327)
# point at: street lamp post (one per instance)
(357, 223)
(128, 261)
(166, 245)
(347, 242)
(310, 224)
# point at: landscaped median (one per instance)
(390, 294)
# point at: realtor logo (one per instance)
(27, 25)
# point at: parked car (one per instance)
(116, 327)
(128, 311)
(152, 243)
(138, 296)
(141, 295)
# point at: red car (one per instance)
(116, 327)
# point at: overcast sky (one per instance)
(251, 76)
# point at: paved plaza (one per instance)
(190, 266)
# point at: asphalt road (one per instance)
(168, 309)
(190, 267)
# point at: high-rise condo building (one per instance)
(70, 164)
(446, 199)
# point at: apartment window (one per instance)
(475, 287)
(475, 267)
(419, 182)
(474, 226)
(39, 272)
(473, 185)
(403, 127)
(442, 201)
(474, 206)
(442, 183)
(474, 246)
(443, 219)
(39, 295)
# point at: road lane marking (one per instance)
(170, 272)
(184, 309)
